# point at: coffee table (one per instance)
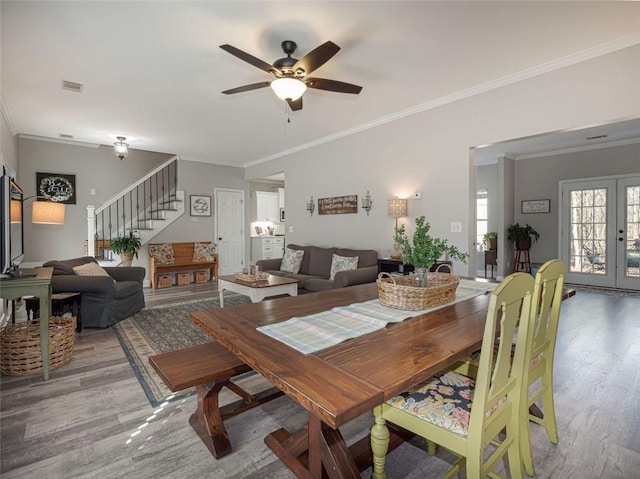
(257, 291)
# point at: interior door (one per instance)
(229, 232)
(600, 225)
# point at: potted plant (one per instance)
(127, 247)
(522, 236)
(490, 240)
(423, 250)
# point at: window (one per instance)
(482, 217)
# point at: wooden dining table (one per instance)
(338, 384)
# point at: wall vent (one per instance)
(65, 136)
(72, 86)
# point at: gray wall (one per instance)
(539, 179)
(429, 151)
(8, 146)
(94, 168)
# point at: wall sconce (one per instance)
(120, 148)
(311, 206)
(367, 203)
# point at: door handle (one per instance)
(620, 239)
(620, 231)
(219, 239)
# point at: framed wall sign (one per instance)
(536, 206)
(57, 187)
(200, 205)
(338, 205)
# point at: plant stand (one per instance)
(522, 261)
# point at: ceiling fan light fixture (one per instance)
(288, 89)
(120, 148)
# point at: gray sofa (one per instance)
(105, 300)
(316, 268)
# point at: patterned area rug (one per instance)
(160, 329)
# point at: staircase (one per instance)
(145, 208)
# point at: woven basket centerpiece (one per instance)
(20, 351)
(252, 278)
(400, 292)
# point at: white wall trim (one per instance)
(553, 65)
(60, 140)
(7, 116)
(577, 149)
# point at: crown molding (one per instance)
(7, 116)
(60, 140)
(547, 67)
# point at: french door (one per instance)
(600, 231)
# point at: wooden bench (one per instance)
(209, 367)
(183, 261)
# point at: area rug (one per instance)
(602, 290)
(160, 329)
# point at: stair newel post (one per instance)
(91, 230)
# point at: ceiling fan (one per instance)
(291, 74)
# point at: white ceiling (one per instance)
(153, 70)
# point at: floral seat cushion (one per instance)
(204, 252)
(163, 253)
(445, 401)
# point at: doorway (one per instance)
(600, 231)
(229, 229)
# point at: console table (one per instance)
(40, 286)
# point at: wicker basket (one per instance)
(20, 353)
(183, 279)
(201, 277)
(400, 293)
(252, 278)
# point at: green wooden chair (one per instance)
(465, 415)
(547, 294)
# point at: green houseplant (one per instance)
(423, 250)
(522, 236)
(490, 240)
(127, 247)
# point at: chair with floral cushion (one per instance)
(466, 416)
(547, 294)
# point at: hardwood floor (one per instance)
(92, 419)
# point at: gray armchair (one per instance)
(105, 299)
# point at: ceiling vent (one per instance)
(596, 137)
(65, 136)
(72, 86)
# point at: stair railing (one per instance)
(133, 209)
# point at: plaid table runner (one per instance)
(318, 331)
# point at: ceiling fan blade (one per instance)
(253, 86)
(295, 105)
(256, 62)
(316, 58)
(332, 85)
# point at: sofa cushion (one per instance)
(368, 257)
(204, 252)
(90, 269)
(163, 253)
(66, 266)
(292, 260)
(306, 259)
(319, 261)
(318, 284)
(342, 263)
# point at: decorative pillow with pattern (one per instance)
(342, 263)
(204, 252)
(163, 253)
(90, 269)
(292, 260)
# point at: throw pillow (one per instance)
(90, 269)
(291, 261)
(342, 263)
(163, 253)
(204, 252)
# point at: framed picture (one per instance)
(536, 206)
(57, 187)
(338, 205)
(200, 205)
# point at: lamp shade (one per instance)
(120, 148)
(397, 207)
(16, 211)
(288, 88)
(48, 213)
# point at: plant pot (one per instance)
(396, 251)
(493, 244)
(523, 244)
(126, 259)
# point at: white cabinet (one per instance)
(267, 248)
(267, 208)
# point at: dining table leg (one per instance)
(325, 450)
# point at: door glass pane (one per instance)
(632, 239)
(588, 245)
